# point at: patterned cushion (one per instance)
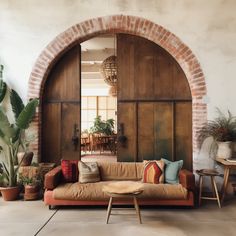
(88, 172)
(70, 170)
(153, 172)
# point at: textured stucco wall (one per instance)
(207, 27)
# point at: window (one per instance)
(93, 106)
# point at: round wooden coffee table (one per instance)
(123, 189)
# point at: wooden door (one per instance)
(61, 110)
(154, 103)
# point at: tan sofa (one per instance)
(59, 193)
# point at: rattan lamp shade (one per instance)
(109, 70)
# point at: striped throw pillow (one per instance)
(153, 172)
(88, 172)
(70, 170)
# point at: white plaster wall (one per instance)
(207, 27)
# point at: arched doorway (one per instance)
(122, 24)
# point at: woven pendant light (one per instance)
(109, 70)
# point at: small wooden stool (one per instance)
(208, 173)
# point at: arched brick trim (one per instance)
(121, 24)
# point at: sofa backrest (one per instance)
(120, 171)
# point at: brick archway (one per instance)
(120, 24)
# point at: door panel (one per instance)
(183, 133)
(63, 83)
(146, 138)
(51, 132)
(163, 123)
(125, 67)
(127, 120)
(70, 127)
(61, 109)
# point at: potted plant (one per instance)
(31, 186)
(103, 127)
(12, 134)
(223, 131)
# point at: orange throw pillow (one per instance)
(153, 172)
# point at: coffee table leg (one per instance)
(109, 209)
(137, 209)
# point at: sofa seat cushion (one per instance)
(93, 191)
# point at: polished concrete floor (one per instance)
(33, 218)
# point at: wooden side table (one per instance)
(228, 165)
(208, 173)
(115, 190)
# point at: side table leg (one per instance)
(216, 191)
(224, 187)
(137, 209)
(109, 209)
(200, 190)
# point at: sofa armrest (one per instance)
(53, 178)
(187, 179)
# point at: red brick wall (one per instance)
(120, 24)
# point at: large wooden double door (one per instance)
(154, 105)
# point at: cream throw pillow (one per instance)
(88, 172)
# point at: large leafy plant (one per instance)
(104, 127)
(221, 129)
(12, 134)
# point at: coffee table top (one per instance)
(123, 188)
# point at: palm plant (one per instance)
(12, 133)
(222, 129)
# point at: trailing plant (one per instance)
(221, 129)
(12, 134)
(100, 126)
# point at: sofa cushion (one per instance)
(88, 172)
(70, 170)
(120, 171)
(93, 191)
(172, 171)
(153, 172)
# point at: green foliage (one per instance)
(222, 128)
(25, 180)
(12, 134)
(16, 103)
(3, 85)
(105, 127)
(27, 114)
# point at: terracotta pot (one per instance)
(224, 150)
(10, 193)
(27, 158)
(31, 192)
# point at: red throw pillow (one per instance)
(70, 170)
(153, 172)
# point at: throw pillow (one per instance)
(88, 172)
(70, 170)
(153, 172)
(172, 171)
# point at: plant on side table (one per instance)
(12, 135)
(223, 131)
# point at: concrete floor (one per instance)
(33, 218)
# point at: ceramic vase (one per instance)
(224, 150)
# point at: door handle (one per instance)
(122, 139)
(75, 137)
